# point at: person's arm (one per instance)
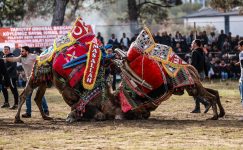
(12, 59)
(11, 66)
(237, 64)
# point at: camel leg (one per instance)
(38, 100)
(216, 93)
(201, 92)
(27, 91)
(212, 99)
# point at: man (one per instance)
(3, 75)
(125, 42)
(110, 70)
(113, 41)
(198, 61)
(27, 59)
(12, 71)
(100, 38)
(240, 47)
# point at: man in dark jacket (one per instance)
(12, 72)
(100, 38)
(198, 61)
(124, 42)
(4, 77)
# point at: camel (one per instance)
(140, 92)
(101, 107)
(76, 64)
(159, 67)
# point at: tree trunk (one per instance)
(133, 15)
(74, 9)
(59, 12)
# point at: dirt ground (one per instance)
(171, 126)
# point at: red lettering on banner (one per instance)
(33, 36)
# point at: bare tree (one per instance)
(59, 12)
(226, 5)
(137, 8)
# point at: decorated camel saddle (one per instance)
(75, 59)
(75, 56)
(156, 65)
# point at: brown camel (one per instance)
(149, 71)
(143, 88)
(100, 108)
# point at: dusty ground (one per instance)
(171, 126)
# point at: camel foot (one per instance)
(70, 119)
(47, 118)
(213, 118)
(18, 120)
(146, 115)
(119, 117)
(221, 114)
(99, 116)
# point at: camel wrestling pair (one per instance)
(77, 65)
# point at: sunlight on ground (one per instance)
(171, 126)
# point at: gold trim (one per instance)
(86, 85)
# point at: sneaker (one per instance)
(14, 106)
(5, 105)
(26, 115)
(196, 111)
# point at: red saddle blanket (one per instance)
(75, 74)
(146, 68)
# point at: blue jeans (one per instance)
(241, 92)
(28, 104)
(224, 75)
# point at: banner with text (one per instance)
(41, 36)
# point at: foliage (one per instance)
(149, 10)
(37, 8)
(11, 11)
(225, 5)
(156, 9)
(185, 8)
(153, 13)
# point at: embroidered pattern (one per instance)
(145, 41)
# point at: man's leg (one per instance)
(241, 96)
(5, 95)
(197, 105)
(15, 93)
(28, 107)
(45, 106)
(241, 93)
(205, 103)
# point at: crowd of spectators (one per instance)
(221, 50)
